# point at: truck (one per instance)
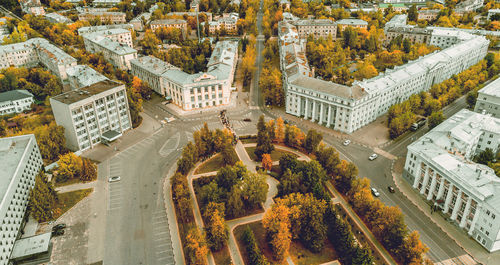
(420, 122)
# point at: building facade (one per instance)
(90, 14)
(152, 70)
(319, 28)
(15, 101)
(169, 23)
(91, 113)
(32, 7)
(57, 18)
(351, 22)
(116, 53)
(20, 161)
(227, 23)
(488, 99)
(439, 166)
(428, 14)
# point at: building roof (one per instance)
(397, 20)
(12, 150)
(492, 89)
(352, 21)
(58, 18)
(14, 95)
(114, 46)
(168, 21)
(91, 29)
(85, 75)
(482, 32)
(52, 51)
(347, 92)
(33, 245)
(153, 64)
(74, 96)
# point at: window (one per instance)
(487, 212)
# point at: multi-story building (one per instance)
(91, 14)
(105, 2)
(116, 53)
(4, 29)
(439, 166)
(57, 18)
(192, 91)
(35, 51)
(413, 34)
(32, 7)
(83, 75)
(468, 6)
(400, 7)
(91, 29)
(351, 107)
(208, 15)
(20, 161)
(92, 114)
(319, 28)
(169, 23)
(396, 21)
(139, 21)
(351, 22)
(15, 101)
(120, 35)
(404, 1)
(228, 23)
(488, 99)
(428, 14)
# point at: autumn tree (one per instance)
(346, 173)
(235, 206)
(270, 83)
(294, 137)
(51, 140)
(435, 119)
(254, 188)
(328, 157)
(264, 145)
(70, 166)
(216, 229)
(255, 256)
(313, 139)
(188, 158)
(412, 251)
(42, 199)
(227, 154)
(276, 222)
(279, 130)
(196, 247)
(182, 197)
(267, 162)
(412, 13)
(89, 170)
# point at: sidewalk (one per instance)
(460, 236)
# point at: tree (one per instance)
(267, 162)
(471, 99)
(264, 145)
(294, 137)
(313, 139)
(485, 157)
(279, 131)
(89, 170)
(215, 228)
(406, 45)
(227, 154)
(412, 13)
(276, 222)
(254, 188)
(188, 158)
(435, 119)
(51, 140)
(412, 250)
(70, 166)
(328, 157)
(346, 174)
(234, 205)
(350, 38)
(42, 199)
(255, 256)
(226, 178)
(196, 247)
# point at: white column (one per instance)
(313, 112)
(448, 199)
(466, 212)
(426, 180)
(321, 114)
(433, 186)
(329, 116)
(307, 109)
(441, 189)
(417, 178)
(474, 220)
(299, 106)
(458, 203)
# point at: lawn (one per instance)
(67, 182)
(214, 163)
(276, 154)
(249, 141)
(260, 236)
(68, 200)
(222, 257)
(302, 256)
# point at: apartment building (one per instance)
(120, 35)
(468, 6)
(108, 17)
(92, 29)
(15, 101)
(20, 161)
(488, 99)
(192, 91)
(439, 166)
(191, 14)
(319, 28)
(139, 21)
(362, 102)
(413, 34)
(118, 54)
(227, 23)
(396, 21)
(169, 23)
(92, 114)
(57, 18)
(351, 22)
(4, 29)
(428, 14)
(83, 75)
(32, 7)
(34, 51)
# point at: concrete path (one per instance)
(76, 186)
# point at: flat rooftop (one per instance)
(353, 92)
(492, 89)
(73, 96)
(30, 246)
(11, 153)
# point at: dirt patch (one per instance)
(374, 134)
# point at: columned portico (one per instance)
(313, 112)
(456, 208)
(299, 107)
(426, 180)
(433, 186)
(306, 109)
(474, 220)
(441, 190)
(466, 212)
(448, 198)
(329, 116)
(321, 110)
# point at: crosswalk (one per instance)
(460, 260)
(162, 241)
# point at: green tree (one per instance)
(471, 99)
(255, 256)
(485, 157)
(234, 205)
(42, 199)
(196, 247)
(264, 144)
(328, 157)
(70, 166)
(216, 229)
(226, 178)
(313, 139)
(227, 154)
(254, 188)
(435, 119)
(346, 174)
(412, 13)
(406, 46)
(350, 38)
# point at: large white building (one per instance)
(83, 75)
(92, 114)
(35, 51)
(439, 166)
(348, 108)
(20, 162)
(192, 91)
(117, 53)
(15, 101)
(488, 99)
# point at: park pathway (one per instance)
(76, 186)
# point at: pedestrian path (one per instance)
(77, 186)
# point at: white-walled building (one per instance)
(192, 91)
(139, 21)
(488, 99)
(20, 161)
(120, 35)
(4, 29)
(83, 75)
(35, 51)
(348, 108)
(15, 101)
(32, 7)
(116, 53)
(493, 12)
(91, 29)
(57, 18)
(351, 22)
(106, 2)
(169, 23)
(468, 6)
(439, 165)
(92, 113)
(228, 23)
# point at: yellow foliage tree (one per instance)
(276, 222)
(267, 162)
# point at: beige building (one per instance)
(351, 22)
(92, 114)
(428, 14)
(316, 27)
(89, 14)
(169, 23)
(413, 34)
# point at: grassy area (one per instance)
(222, 257)
(302, 256)
(214, 163)
(68, 200)
(276, 154)
(249, 141)
(68, 182)
(260, 236)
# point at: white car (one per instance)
(347, 142)
(114, 179)
(375, 192)
(372, 157)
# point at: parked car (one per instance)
(114, 179)
(58, 227)
(391, 189)
(59, 232)
(375, 192)
(347, 142)
(247, 119)
(373, 157)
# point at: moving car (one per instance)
(58, 227)
(59, 232)
(391, 189)
(375, 192)
(372, 157)
(347, 142)
(247, 119)
(114, 179)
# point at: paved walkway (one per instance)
(368, 234)
(76, 186)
